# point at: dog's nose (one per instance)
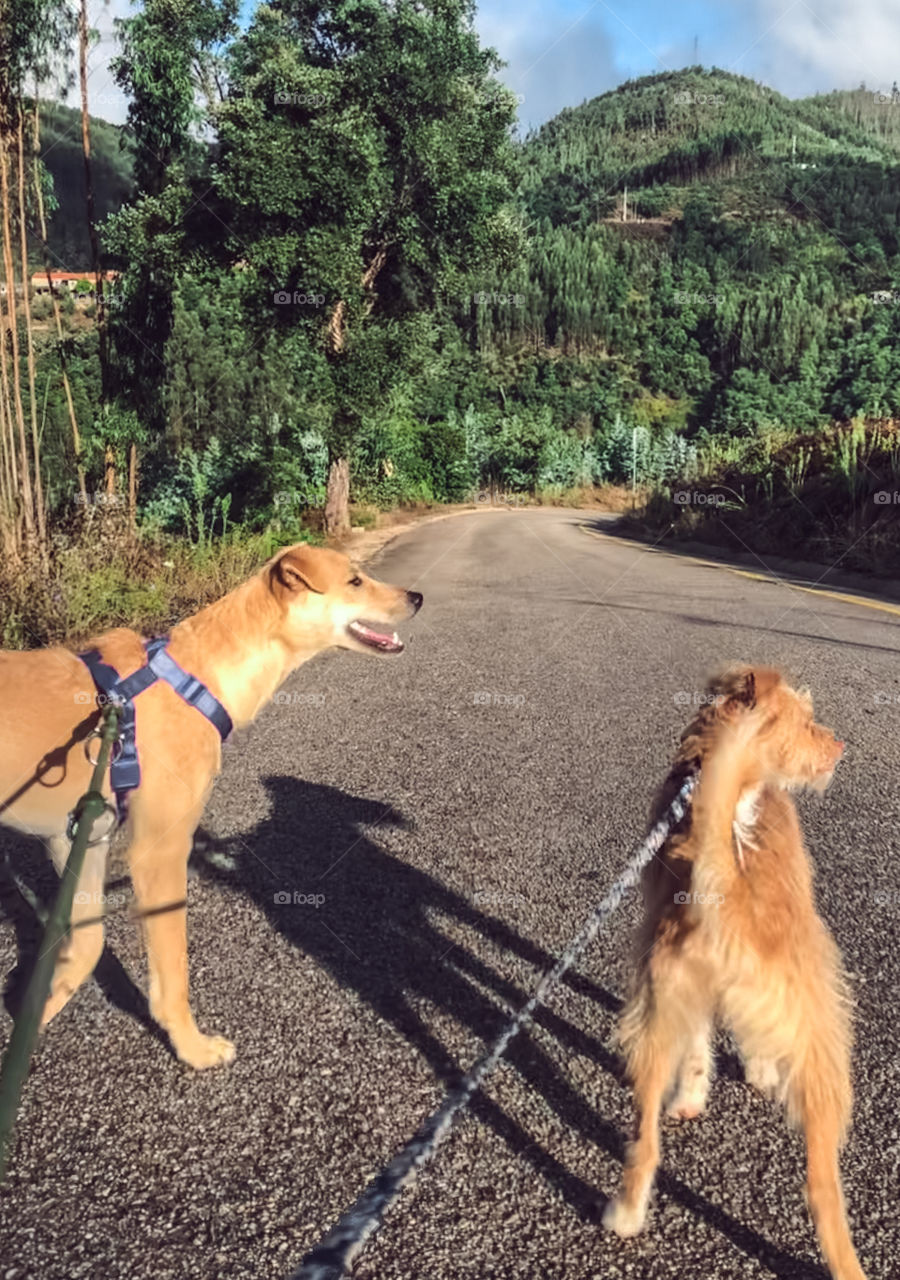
(415, 599)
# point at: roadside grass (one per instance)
(828, 496)
(616, 498)
(106, 576)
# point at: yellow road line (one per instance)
(881, 605)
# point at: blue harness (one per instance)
(125, 770)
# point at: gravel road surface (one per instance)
(441, 823)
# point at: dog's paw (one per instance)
(690, 1099)
(206, 1051)
(622, 1219)
(686, 1107)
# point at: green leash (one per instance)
(21, 1045)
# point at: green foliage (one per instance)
(193, 500)
(169, 56)
(820, 495)
(34, 32)
(398, 188)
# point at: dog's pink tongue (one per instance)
(377, 639)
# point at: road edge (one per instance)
(790, 580)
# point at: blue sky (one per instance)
(560, 52)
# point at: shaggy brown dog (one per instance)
(731, 932)
(304, 600)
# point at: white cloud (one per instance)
(828, 44)
(105, 98)
(555, 61)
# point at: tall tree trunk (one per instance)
(132, 486)
(88, 176)
(336, 327)
(337, 499)
(103, 351)
(7, 415)
(337, 494)
(40, 513)
(15, 391)
(42, 219)
(8, 482)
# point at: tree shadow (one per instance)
(378, 933)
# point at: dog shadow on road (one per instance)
(379, 934)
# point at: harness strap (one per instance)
(125, 769)
(188, 687)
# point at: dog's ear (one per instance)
(746, 693)
(297, 570)
(735, 688)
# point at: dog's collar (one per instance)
(125, 769)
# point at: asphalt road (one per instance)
(447, 819)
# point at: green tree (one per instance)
(366, 162)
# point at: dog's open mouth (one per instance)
(383, 641)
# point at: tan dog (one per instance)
(242, 647)
(731, 931)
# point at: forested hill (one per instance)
(722, 253)
(111, 164)
(865, 108)
(695, 125)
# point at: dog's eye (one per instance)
(356, 582)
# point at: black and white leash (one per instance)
(332, 1257)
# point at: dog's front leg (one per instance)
(159, 875)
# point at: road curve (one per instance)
(445, 820)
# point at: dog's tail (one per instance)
(729, 768)
(820, 1098)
